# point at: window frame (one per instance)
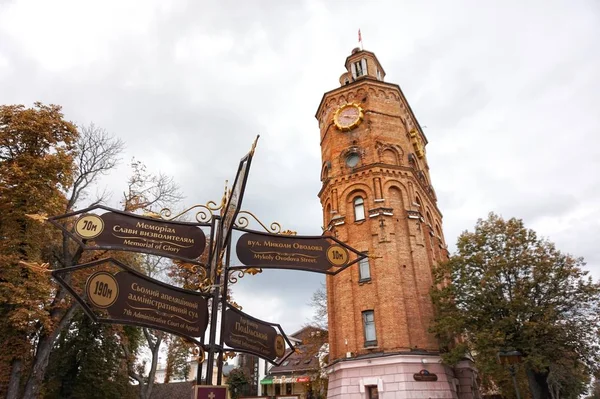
(361, 263)
(358, 203)
(366, 323)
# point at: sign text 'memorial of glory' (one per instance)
(129, 232)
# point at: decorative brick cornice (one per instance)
(414, 215)
(381, 212)
(336, 221)
(380, 169)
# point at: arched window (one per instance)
(359, 209)
(389, 157)
(439, 233)
(359, 68)
(325, 170)
(417, 200)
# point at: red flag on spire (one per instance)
(359, 37)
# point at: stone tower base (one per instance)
(394, 376)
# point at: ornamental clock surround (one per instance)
(348, 116)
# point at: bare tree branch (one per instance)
(98, 153)
(318, 302)
(146, 190)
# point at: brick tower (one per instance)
(377, 196)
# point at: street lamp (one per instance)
(511, 358)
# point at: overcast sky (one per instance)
(509, 92)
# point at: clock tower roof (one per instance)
(358, 54)
(363, 69)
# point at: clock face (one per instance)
(348, 116)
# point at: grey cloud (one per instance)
(509, 95)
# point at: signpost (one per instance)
(319, 254)
(237, 193)
(244, 333)
(129, 297)
(126, 231)
(114, 292)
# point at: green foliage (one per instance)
(238, 382)
(87, 363)
(507, 288)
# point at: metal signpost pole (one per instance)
(223, 308)
(211, 254)
(214, 277)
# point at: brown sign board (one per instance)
(244, 333)
(425, 375)
(125, 231)
(320, 254)
(129, 297)
(234, 202)
(141, 299)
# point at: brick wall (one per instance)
(402, 229)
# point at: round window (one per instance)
(352, 159)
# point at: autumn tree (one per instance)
(178, 353)
(95, 154)
(37, 148)
(46, 166)
(506, 288)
